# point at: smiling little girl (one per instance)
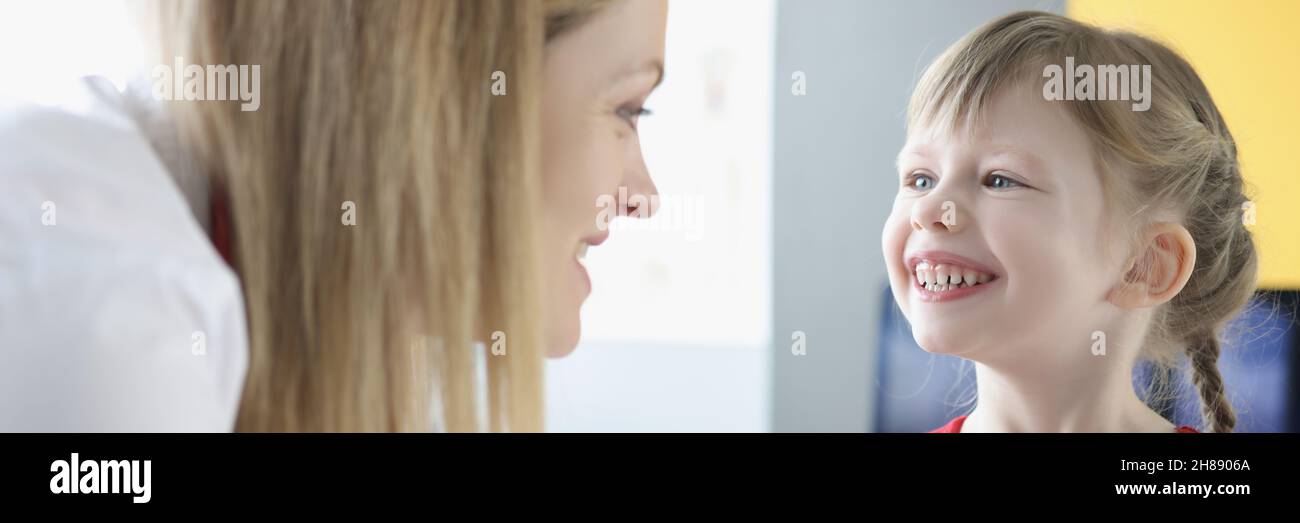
(1055, 242)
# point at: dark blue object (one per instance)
(918, 391)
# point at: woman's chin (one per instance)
(563, 343)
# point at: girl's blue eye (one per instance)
(920, 182)
(998, 181)
(632, 114)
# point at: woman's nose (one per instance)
(643, 196)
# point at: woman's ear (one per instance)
(1160, 270)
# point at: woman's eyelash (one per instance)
(632, 114)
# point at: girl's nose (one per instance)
(938, 215)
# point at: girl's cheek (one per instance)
(891, 233)
(894, 239)
(1038, 257)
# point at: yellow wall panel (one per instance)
(1248, 54)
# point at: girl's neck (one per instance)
(1086, 397)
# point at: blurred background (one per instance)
(768, 233)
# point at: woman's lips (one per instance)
(584, 279)
(596, 239)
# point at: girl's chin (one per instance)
(945, 340)
(931, 346)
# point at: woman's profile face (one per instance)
(597, 76)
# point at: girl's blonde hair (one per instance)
(1175, 158)
(386, 107)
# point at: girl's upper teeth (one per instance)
(581, 252)
(946, 276)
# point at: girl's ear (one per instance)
(1161, 269)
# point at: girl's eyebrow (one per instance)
(919, 151)
(1022, 156)
(1019, 155)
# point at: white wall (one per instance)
(46, 45)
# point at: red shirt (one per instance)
(954, 426)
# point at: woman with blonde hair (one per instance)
(402, 216)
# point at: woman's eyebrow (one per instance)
(654, 65)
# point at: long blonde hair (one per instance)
(386, 107)
(1179, 154)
